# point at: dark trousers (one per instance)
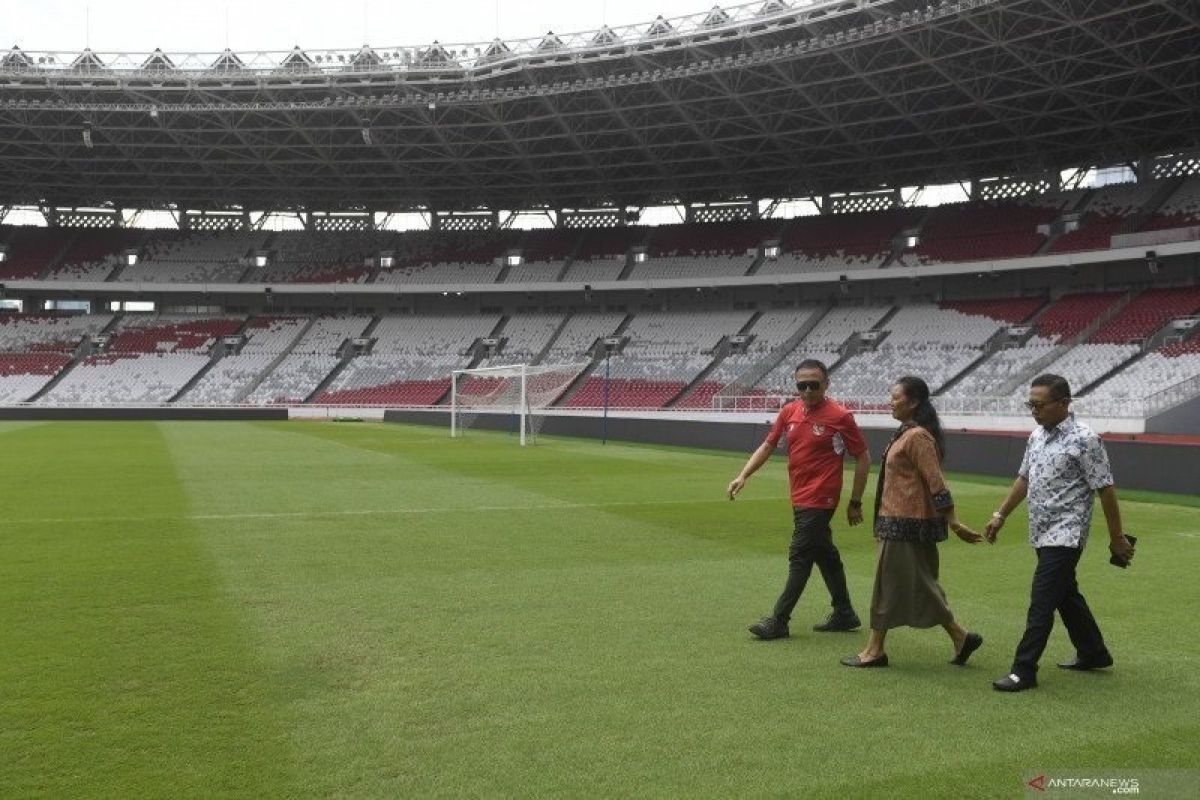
(812, 543)
(1055, 589)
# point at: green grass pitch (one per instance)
(323, 610)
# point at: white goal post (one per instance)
(520, 391)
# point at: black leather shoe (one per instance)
(1082, 665)
(770, 628)
(839, 621)
(1014, 683)
(969, 645)
(855, 661)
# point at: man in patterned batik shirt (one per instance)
(1064, 464)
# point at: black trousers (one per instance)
(812, 543)
(1055, 589)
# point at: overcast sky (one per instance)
(200, 25)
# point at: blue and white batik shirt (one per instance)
(1064, 466)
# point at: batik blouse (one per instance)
(912, 490)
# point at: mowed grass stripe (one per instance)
(125, 668)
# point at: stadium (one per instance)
(366, 414)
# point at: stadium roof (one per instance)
(771, 99)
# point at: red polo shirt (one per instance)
(817, 439)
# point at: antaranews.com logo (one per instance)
(1084, 785)
(1145, 784)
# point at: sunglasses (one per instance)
(808, 386)
(1038, 405)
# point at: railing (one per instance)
(750, 402)
(1172, 396)
(1118, 408)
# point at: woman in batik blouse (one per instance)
(913, 510)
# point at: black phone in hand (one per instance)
(1116, 560)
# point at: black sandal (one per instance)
(970, 644)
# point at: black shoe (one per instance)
(1014, 683)
(969, 645)
(855, 661)
(1083, 665)
(770, 628)
(839, 621)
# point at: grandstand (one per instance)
(680, 359)
(1075, 268)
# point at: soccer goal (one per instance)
(521, 392)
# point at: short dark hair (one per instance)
(1057, 384)
(812, 363)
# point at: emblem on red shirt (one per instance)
(818, 430)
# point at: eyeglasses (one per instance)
(807, 386)
(1038, 405)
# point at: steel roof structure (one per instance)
(766, 100)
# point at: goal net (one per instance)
(513, 396)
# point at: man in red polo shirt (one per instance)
(819, 433)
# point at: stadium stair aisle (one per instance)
(589, 372)
(49, 385)
(745, 382)
(1166, 188)
(345, 358)
(539, 357)
(215, 355)
(686, 393)
(80, 353)
(249, 390)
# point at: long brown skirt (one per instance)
(907, 591)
